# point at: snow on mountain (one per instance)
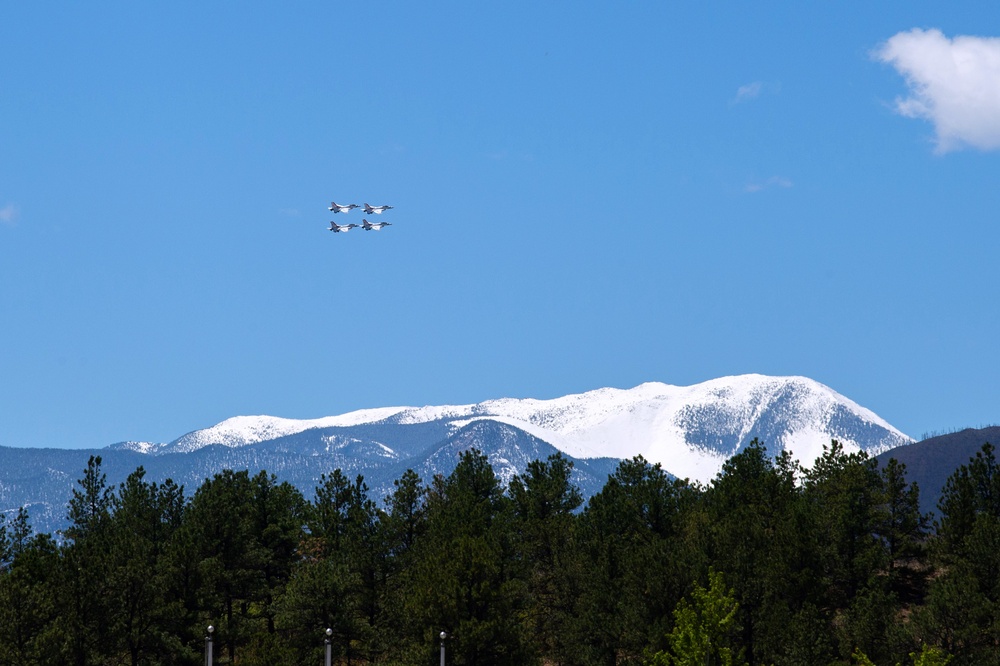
(138, 447)
(690, 430)
(244, 430)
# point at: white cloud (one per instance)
(954, 83)
(773, 181)
(8, 214)
(748, 92)
(753, 90)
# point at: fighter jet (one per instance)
(338, 228)
(377, 226)
(337, 208)
(376, 210)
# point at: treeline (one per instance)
(768, 564)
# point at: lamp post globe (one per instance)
(209, 658)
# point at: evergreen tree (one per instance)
(972, 490)
(343, 526)
(635, 568)
(311, 603)
(401, 528)
(30, 620)
(821, 566)
(278, 516)
(90, 505)
(964, 602)
(958, 617)
(903, 528)
(85, 591)
(544, 502)
(930, 655)
(846, 494)
(20, 533)
(141, 528)
(462, 579)
(230, 559)
(762, 533)
(6, 550)
(705, 629)
(406, 519)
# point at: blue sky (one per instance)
(585, 194)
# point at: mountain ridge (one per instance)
(931, 461)
(689, 431)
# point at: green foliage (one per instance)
(964, 601)
(89, 508)
(312, 602)
(846, 493)
(902, 527)
(463, 569)
(705, 629)
(930, 655)
(763, 533)
(633, 562)
(861, 658)
(834, 565)
(544, 500)
(973, 490)
(29, 610)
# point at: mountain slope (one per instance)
(930, 462)
(690, 430)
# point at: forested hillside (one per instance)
(768, 564)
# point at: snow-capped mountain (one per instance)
(243, 430)
(689, 430)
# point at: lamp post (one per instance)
(208, 646)
(443, 636)
(329, 646)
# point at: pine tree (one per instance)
(90, 506)
(635, 568)
(141, 526)
(343, 526)
(903, 528)
(31, 626)
(401, 529)
(972, 490)
(544, 502)
(761, 533)
(705, 629)
(462, 579)
(903, 531)
(964, 602)
(846, 493)
(85, 592)
(230, 559)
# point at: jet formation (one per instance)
(365, 224)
